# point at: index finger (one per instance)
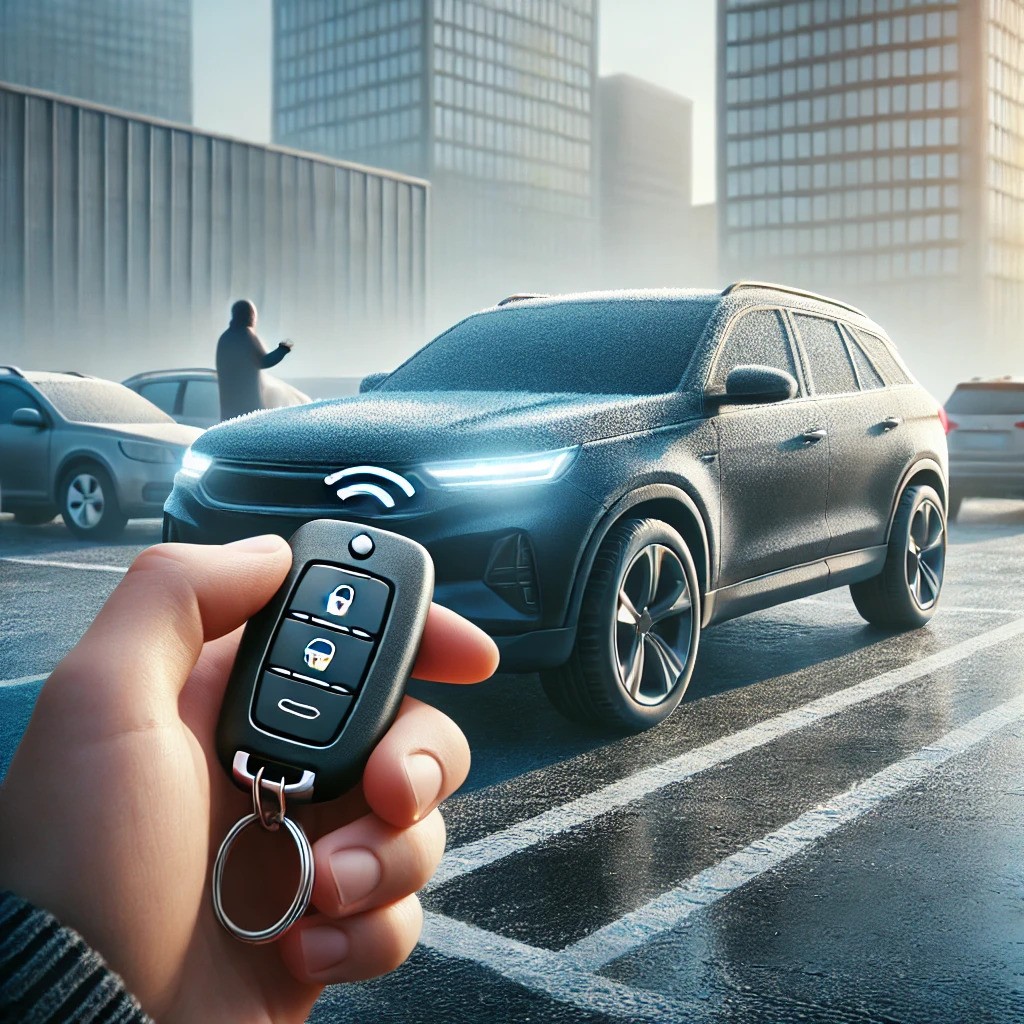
(453, 650)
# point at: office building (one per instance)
(871, 149)
(129, 54)
(491, 100)
(644, 160)
(126, 239)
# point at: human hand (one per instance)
(115, 802)
(287, 343)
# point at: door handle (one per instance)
(891, 422)
(814, 436)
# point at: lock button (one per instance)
(342, 598)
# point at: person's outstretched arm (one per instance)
(115, 802)
(272, 358)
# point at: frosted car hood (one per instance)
(166, 433)
(401, 427)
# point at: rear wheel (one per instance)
(89, 503)
(639, 625)
(905, 594)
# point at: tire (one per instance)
(88, 503)
(626, 673)
(33, 516)
(905, 594)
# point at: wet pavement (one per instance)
(829, 828)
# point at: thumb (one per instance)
(146, 639)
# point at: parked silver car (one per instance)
(88, 448)
(191, 395)
(985, 435)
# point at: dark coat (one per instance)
(240, 357)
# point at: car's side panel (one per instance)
(24, 451)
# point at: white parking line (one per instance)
(715, 883)
(541, 970)
(21, 681)
(945, 609)
(524, 834)
(122, 569)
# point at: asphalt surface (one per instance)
(829, 828)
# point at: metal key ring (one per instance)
(302, 897)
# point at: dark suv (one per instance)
(599, 476)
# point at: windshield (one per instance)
(98, 401)
(616, 347)
(987, 401)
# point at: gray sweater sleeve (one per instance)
(48, 975)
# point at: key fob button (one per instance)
(319, 655)
(299, 711)
(342, 598)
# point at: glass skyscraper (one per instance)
(136, 56)
(872, 148)
(491, 100)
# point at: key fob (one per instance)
(321, 669)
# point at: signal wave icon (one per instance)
(365, 487)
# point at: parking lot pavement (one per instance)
(827, 829)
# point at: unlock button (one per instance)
(299, 711)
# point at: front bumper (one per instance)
(142, 487)
(504, 558)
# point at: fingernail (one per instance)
(323, 948)
(425, 778)
(263, 544)
(356, 874)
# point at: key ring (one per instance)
(271, 823)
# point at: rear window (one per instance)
(968, 400)
(619, 347)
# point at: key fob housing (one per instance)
(321, 669)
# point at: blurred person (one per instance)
(240, 357)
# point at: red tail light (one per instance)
(1019, 424)
(947, 424)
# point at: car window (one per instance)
(880, 355)
(986, 400)
(830, 362)
(615, 347)
(90, 400)
(202, 400)
(870, 378)
(757, 338)
(12, 397)
(162, 393)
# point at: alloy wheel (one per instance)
(926, 554)
(653, 625)
(85, 500)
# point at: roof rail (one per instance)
(10, 371)
(789, 290)
(520, 297)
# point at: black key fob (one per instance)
(322, 668)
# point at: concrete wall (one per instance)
(124, 240)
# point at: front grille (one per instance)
(268, 488)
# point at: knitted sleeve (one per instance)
(48, 975)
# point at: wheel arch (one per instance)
(82, 456)
(924, 471)
(666, 502)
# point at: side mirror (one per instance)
(371, 380)
(28, 418)
(752, 385)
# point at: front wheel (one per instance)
(905, 594)
(89, 503)
(639, 625)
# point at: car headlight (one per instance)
(540, 467)
(195, 465)
(146, 451)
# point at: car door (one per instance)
(24, 451)
(868, 442)
(773, 458)
(201, 405)
(164, 394)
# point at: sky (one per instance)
(668, 42)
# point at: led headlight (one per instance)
(515, 469)
(195, 465)
(146, 451)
